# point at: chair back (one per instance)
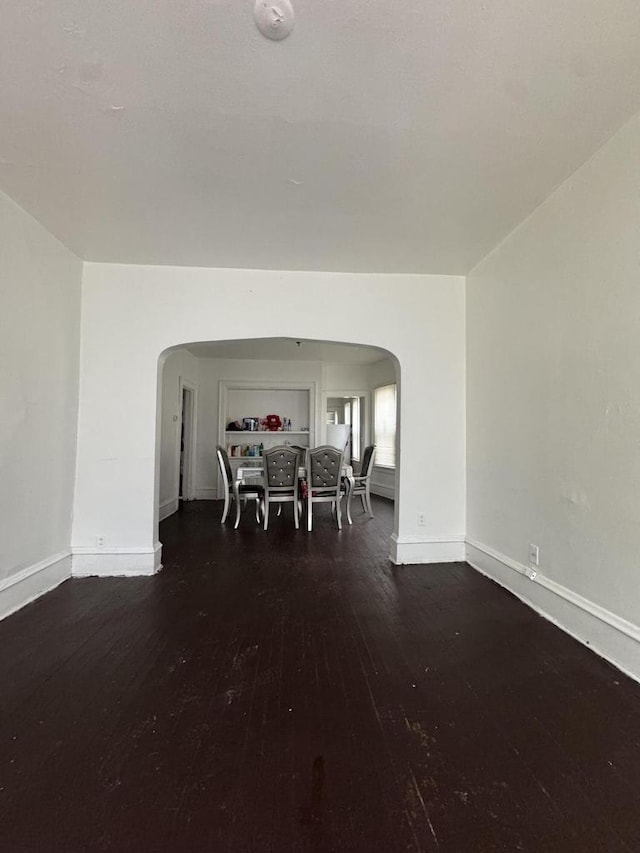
(302, 454)
(225, 465)
(281, 467)
(324, 467)
(367, 460)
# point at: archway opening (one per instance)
(310, 385)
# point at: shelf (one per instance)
(266, 432)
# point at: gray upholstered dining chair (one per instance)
(233, 491)
(324, 480)
(281, 465)
(361, 483)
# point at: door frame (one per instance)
(365, 423)
(190, 440)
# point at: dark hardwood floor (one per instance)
(296, 692)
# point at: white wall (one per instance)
(179, 366)
(148, 309)
(553, 374)
(39, 358)
(344, 377)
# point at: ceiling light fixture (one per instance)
(274, 20)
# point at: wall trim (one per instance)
(33, 581)
(124, 561)
(190, 462)
(382, 490)
(609, 635)
(425, 549)
(208, 494)
(168, 508)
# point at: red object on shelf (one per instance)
(273, 422)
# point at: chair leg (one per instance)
(339, 512)
(309, 505)
(258, 510)
(349, 496)
(227, 501)
(363, 501)
(368, 498)
(296, 519)
(238, 510)
(266, 512)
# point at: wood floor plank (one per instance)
(294, 692)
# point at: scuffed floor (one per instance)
(296, 692)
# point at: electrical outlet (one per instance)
(421, 521)
(100, 541)
(534, 555)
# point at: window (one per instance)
(384, 425)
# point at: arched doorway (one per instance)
(234, 379)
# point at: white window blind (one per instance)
(384, 425)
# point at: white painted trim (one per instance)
(424, 549)
(33, 581)
(193, 438)
(382, 490)
(609, 635)
(115, 561)
(168, 508)
(208, 494)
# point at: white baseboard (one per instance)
(115, 562)
(168, 508)
(607, 634)
(33, 581)
(383, 491)
(416, 549)
(205, 494)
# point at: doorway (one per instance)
(348, 414)
(187, 442)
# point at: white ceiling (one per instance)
(287, 349)
(380, 136)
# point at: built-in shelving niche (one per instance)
(254, 399)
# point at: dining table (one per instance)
(245, 472)
(256, 471)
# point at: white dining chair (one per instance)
(236, 491)
(281, 465)
(324, 480)
(361, 483)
